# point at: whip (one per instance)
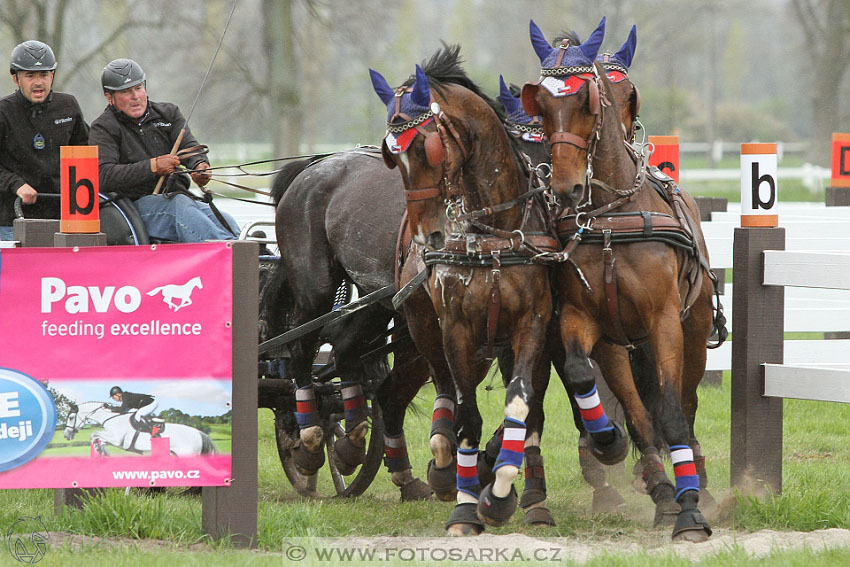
(179, 139)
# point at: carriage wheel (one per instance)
(354, 484)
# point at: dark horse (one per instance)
(655, 291)
(479, 220)
(337, 220)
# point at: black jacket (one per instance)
(125, 147)
(58, 121)
(131, 401)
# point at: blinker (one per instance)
(434, 149)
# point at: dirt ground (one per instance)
(512, 547)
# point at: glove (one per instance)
(199, 176)
(164, 164)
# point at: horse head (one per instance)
(443, 169)
(567, 98)
(71, 424)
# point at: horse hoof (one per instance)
(613, 452)
(539, 516)
(667, 513)
(495, 511)
(308, 462)
(607, 500)
(416, 490)
(350, 452)
(443, 480)
(464, 521)
(691, 526)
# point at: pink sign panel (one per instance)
(116, 366)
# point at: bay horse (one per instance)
(655, 291)
(478, 219)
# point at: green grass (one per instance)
(816, 474)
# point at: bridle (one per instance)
(436, 149)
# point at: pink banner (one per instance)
(78, 324)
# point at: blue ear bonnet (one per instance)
(513, 105)
(624, 56)
(413, 103)
(573, 56)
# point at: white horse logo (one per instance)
(182, 292)
(119, 432)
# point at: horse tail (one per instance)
(207, 445)
(287, 175)
(155, 290)
(276, 302)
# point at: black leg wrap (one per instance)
(495, 511)
(306, 461)
(535, 478)
(690, 524)
(465, 517)
(487, 458)
(613, 452)
(443, 480)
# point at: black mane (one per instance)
(445, 67)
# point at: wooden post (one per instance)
(757, 337)
(232, 510)
(72, 497)
(35, 232)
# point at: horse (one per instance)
(183, 292)
(616, 203)
(337, 219)
(475, 212)
(118, 431)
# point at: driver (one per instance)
(35, 121)
(143, 404)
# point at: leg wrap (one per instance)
(467, 472)
(395, 453)
(592, 415)
(684, 469)
(442, 421)
(535, 478)
(354, 404)
(306, 409)
(513, 441)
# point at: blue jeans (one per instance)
(7, 233)
(182, 219)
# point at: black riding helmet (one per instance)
(32, 55)
(115, 390)
(121, 74)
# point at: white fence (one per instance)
(808, 227)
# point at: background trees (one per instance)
(293, 74)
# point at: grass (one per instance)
(816, 472)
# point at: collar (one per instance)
(28, 105)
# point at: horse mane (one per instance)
(570, 35)
(445, 67)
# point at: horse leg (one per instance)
(696, 330)
(667, 343)
(409, 374)
(498, 500)
(533, 501)
(98, 445)
(424, 327)
(468, 368)
(606, 439)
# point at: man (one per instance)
(34, 122)
(135, 137)
(143, 404)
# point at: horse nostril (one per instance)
(576, 194)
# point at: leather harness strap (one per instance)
(494, 307)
